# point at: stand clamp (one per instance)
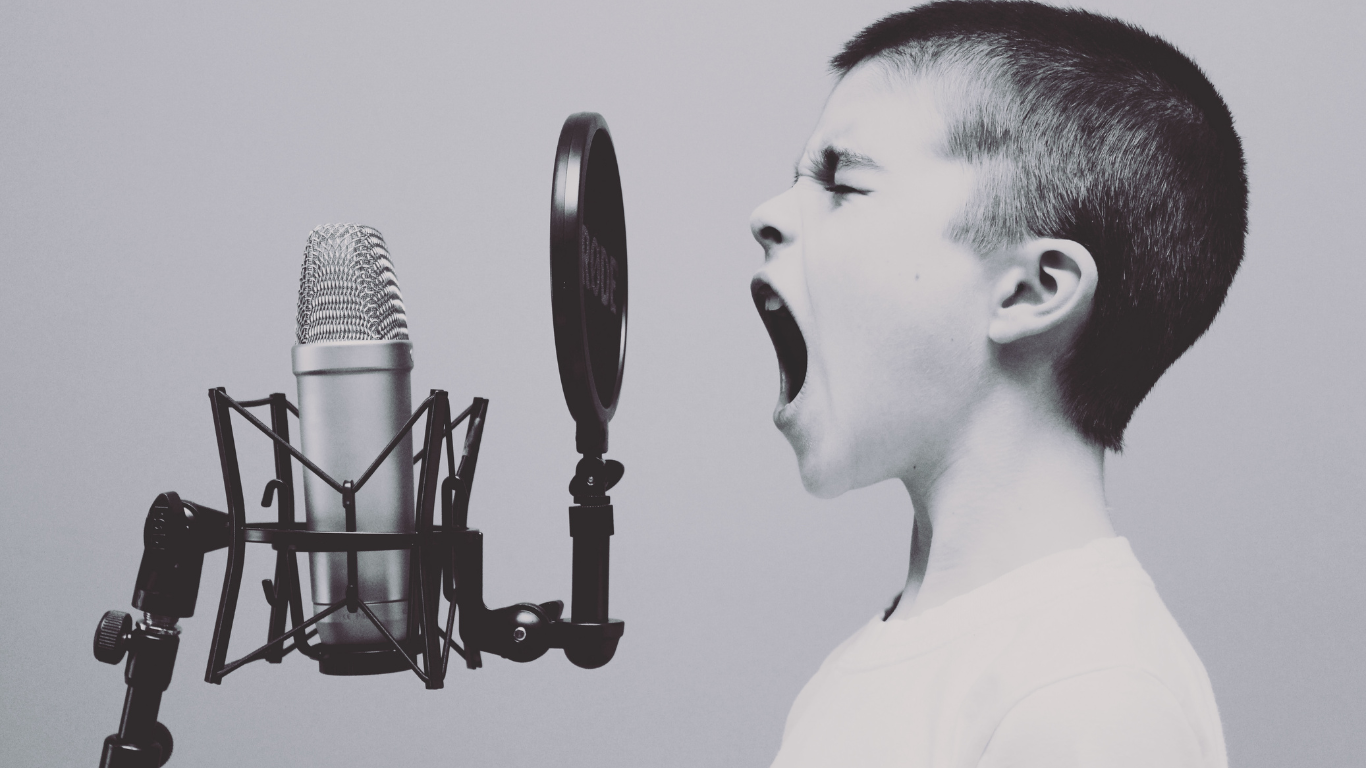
(175, 538)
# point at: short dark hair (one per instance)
(1085, 128)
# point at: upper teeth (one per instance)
(773, 303)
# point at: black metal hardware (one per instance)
(142, 741)
(447, 561)
(176, 535)
(589, 307)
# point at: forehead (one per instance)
(893, 119)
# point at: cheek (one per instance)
(907, 358)
(889, 320)
(898, 336)
(943, 342)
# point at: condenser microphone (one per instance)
(353, 362)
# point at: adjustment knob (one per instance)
(111, 636)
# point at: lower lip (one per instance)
(786, 413)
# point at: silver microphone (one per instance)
(353, 362)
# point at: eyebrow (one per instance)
(831, 159)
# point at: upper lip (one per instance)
(785, 333)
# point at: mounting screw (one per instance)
(519, 634)
(111, 636)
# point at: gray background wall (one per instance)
(162, 164)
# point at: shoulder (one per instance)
(1098, 662)
(1103, 617)
(817, 685)
(1114, 717)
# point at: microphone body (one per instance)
(353, 363)
(354, 396)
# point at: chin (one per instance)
(824, 476)
(823, 486)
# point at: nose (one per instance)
(773, 223)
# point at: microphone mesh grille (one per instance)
(348, 290)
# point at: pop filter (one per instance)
(588, 276)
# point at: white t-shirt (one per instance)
(1071, 660)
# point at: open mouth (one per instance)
(786, 336)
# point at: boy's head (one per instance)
(968, 145)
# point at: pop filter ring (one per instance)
(588, 276)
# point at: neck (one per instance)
(1019, 484)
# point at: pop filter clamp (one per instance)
(589, 298)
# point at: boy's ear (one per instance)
(1046, 284)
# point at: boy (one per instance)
(1010, 220)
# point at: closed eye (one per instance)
(829, 185)
(822, 167)
(842, 190)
